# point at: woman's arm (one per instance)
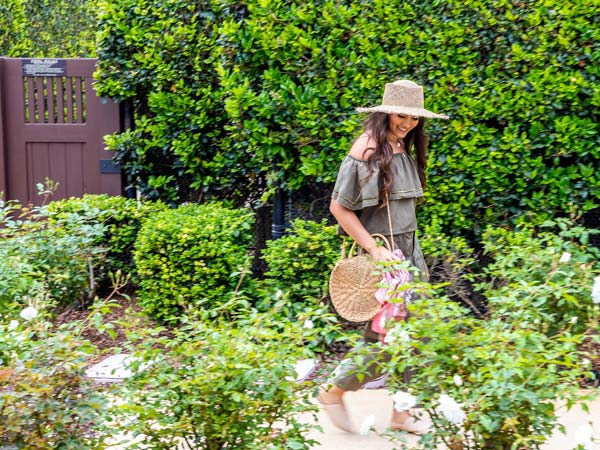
(362, 148)
(350, 223)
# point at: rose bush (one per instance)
(494, 383)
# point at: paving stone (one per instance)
(112, 369)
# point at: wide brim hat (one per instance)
(403, 97)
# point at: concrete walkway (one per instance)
(372, 401)
(363, 403)
(377, 402)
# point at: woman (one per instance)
(386, 162)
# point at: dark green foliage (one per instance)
(520, 79)
(121, 217)
(13, 34)
(301, 261)
(166, 53)
(296, 282)
(264, 92)
(191, 257)
(48, 28)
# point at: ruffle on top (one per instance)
(356, 188)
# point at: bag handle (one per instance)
(387, 206)
(359, 251)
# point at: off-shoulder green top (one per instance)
(357, 189)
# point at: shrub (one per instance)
(504, 372)
(122, 219)
(216, 386)
(504, 376)
(191, 257)
(173, 152)
(49, 261)
(453, 262)
(543, 278)
(296, 281)
(301, 261)
(48, 28)
(46, 402)
(13, 30)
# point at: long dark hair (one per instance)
(377, 126)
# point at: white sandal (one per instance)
(337, 413)
(412, 425)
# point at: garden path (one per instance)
(377, 402)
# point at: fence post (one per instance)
(3, 186)
(127, 123)
(278, 227)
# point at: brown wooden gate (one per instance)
(52, 125)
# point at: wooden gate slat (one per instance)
(78, 100)
(30, 100)
(50, 99)
(69, 100)
(39, 100)
(60, 100)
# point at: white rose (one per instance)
(451, 410)
(403, 401)
(367, 424)
(308, 324)
(13, 325)
(596, 290)
(29, 313)
(573, 320)
(397, 335)
(565, 257)
(278, 294)
(457, 380)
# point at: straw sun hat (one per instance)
(403, 97)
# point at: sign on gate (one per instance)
(44, 67)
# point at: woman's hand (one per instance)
(351, 224)
(379, 253)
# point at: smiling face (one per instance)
(400, 125)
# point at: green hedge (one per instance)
(232, 98)
(48, 28)
(191, 257)
(121, 218)
(13, 33)
(165, 54)
(301, 261)
(296, 282)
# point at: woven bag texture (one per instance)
(352, 287)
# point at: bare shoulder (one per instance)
(363, 147)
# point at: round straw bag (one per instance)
(352, 285)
